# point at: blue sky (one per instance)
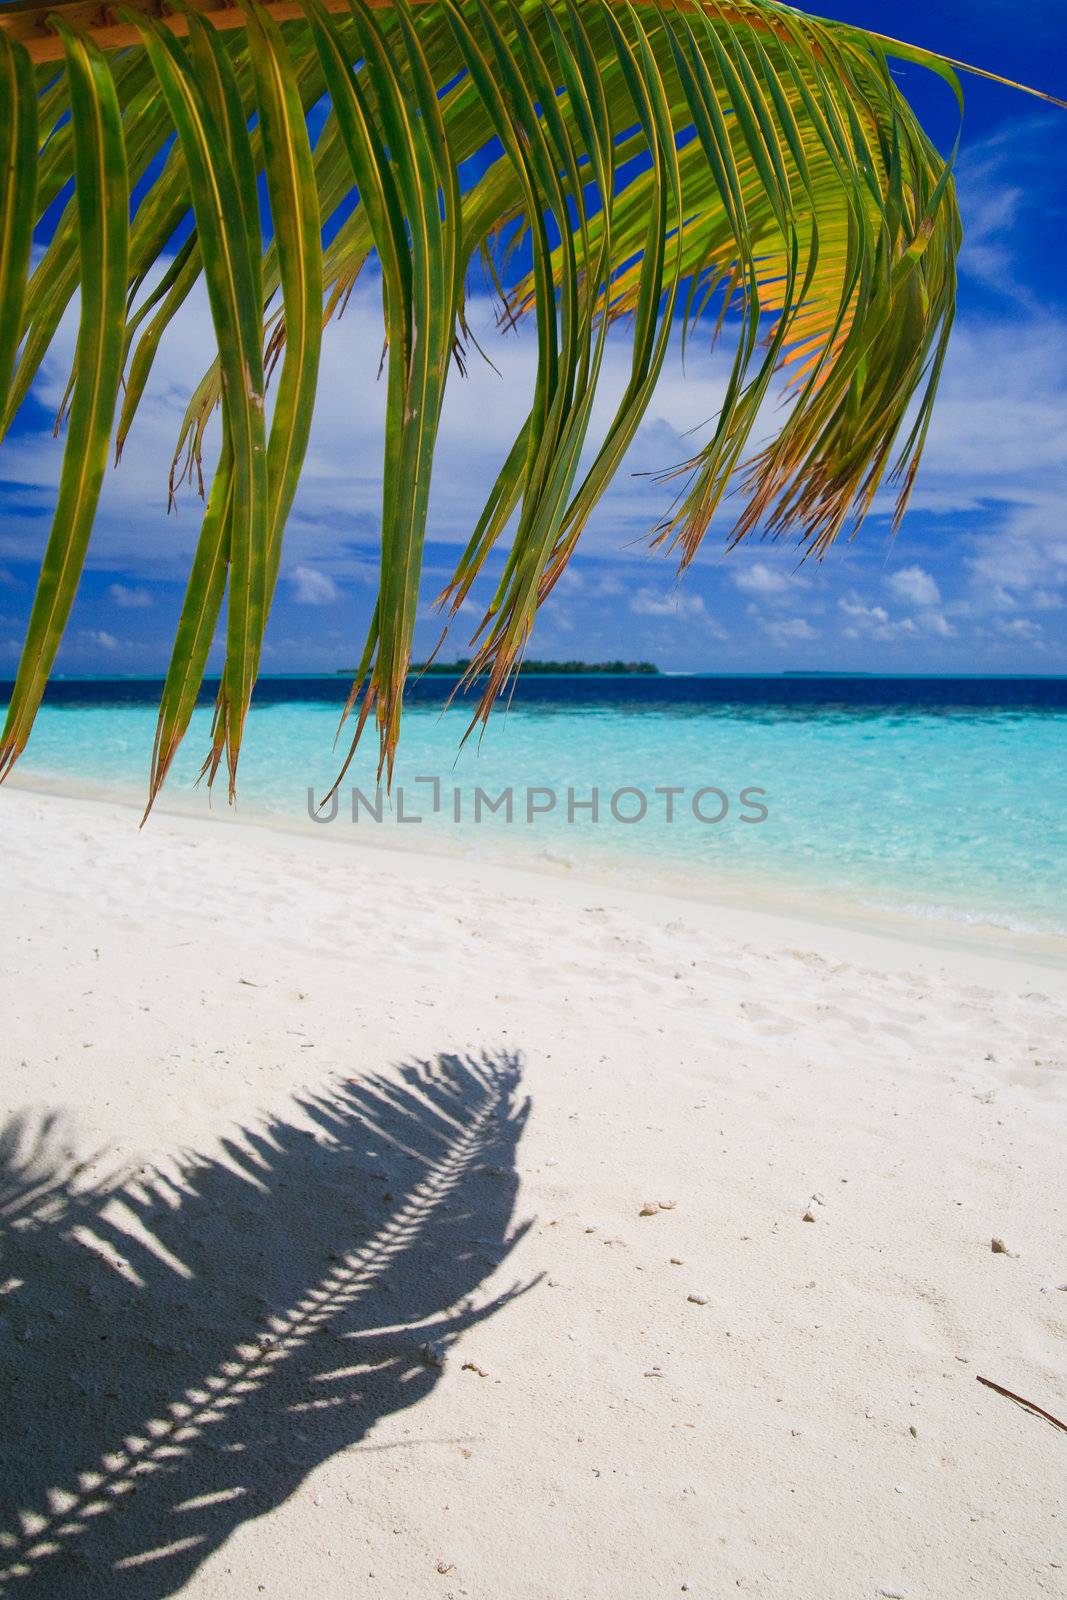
(975, 581)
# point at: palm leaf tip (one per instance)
(734, 164)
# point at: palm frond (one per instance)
(100, 178)
(665, 162)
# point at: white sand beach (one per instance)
(376, 1225)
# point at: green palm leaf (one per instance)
(99, 160)
(734, 163)
(18, 158)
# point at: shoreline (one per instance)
(929, 813)
(836, 928)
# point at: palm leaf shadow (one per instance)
(178, 1353)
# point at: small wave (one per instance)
(983, 918)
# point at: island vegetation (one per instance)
(527, 669)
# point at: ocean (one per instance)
(941, 798)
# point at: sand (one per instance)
(379, 1225)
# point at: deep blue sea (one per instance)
(937, 797)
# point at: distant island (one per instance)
(569, 669)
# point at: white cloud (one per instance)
(647, 603)
(574, 580)
(1026, 557)
(791, 631)
(914, 585)
(765, 581)
(1004, 180)
(1019, 628)
(874, 621)
(100, 638)
(853, 606)
(314, 588)
(129, 599)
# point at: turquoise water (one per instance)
(909, 803)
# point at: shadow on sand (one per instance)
(178, 1352)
